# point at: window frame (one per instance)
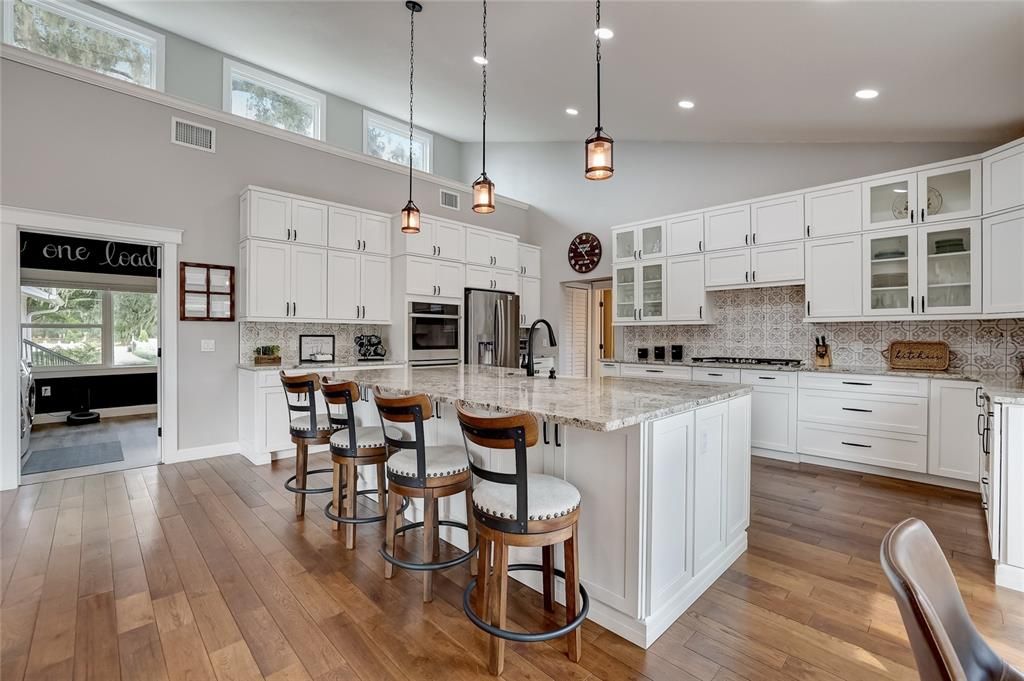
(378, 120)
(282, 85)
(100, 20)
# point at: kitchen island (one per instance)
(663, 468)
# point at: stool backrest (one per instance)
(414, 409)
(343, 394)
(517, 432)
(300, 397)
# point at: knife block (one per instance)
(823, 356)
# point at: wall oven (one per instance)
(433, 334)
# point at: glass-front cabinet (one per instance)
(949, 265)
(890, 277)
(639, 292)
(890, 202)
(949, 193)
(642, 242)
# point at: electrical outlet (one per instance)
(207, 345)
(45, 392)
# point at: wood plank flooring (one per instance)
(200, 571)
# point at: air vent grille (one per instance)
(449, 199)
(191, 134)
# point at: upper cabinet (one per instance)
(267, 215)
(529, 260)
(890, 201)
(685, 234)
(776, 220)
(436, 239)
(491, 249)
(355, 230)
(949, 193)
(828, 212)
(685, 275)
(832, 273)
(638, 292)
(641, 242)
(727, 227)
(1004, 179)
(1003, 241)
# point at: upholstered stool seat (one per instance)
(441, 460)
(367, 437)
(549, 498)
(307, 427)
(323, 423)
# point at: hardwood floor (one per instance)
(200, 571)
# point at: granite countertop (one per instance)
(601, 404)
(251, 366)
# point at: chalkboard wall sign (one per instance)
(73, 254)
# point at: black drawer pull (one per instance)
(981, 424)
(855, 383)
(545, 426)
(557, 442)
(767, 378)
(856, 444)
(654, 371)
(979, 401)
(863, 411)
(719, 375)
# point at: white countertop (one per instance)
(601, 404)
(320, 367)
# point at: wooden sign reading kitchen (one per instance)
(72, 254)
(930, 355)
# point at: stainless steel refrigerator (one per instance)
(492, 328)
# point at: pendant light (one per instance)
(411, 214)
(483, 188)
(599, 145)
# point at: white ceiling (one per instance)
(758, 71)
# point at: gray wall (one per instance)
(71, 147)
(653, 179)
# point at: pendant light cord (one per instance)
(412, 62)
(597, 35)
(483, 151)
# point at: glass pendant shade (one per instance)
(410, 219)
(599, 156)
(483, 195)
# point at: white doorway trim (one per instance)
(12, 221)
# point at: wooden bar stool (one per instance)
(307, 428)
(422, 471)
(353, 446)
(520, 509)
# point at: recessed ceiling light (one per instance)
(866, 94)
(572, 112)
(604, 33)
(482, 61)
(685, 104)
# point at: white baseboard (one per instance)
(204, 452)
(106, 412)
(1010, 576)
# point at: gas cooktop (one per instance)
(750, 360)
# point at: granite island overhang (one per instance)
(663, 467)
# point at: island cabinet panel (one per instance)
(711, 442)
(737, 470)
(670, 485)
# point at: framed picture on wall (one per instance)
(206, 293)
(316, 348)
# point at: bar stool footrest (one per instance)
(525, 636)
(309, 490)
(423, 567)
(366, 519)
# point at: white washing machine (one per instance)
(27, 406)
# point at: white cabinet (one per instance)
(641, 242)
(529, 300)
(685, 234)
(375, 288)
(773, 409)
(727, 268)
(953, 444)
(1003, 179)
(775, 220)
(638, 292)
(478, 248)
(777, 264)
(309, 222)
(309, 282)
(268, 215)
(727, 227)
(359, 287)
(828, 212)
(1003, 275)
(355, 230)
(451, 279)
(608, 369)
(889, 201)
(685, 298)
(529, 260)
(951, 192)
(432, 277)
(890, 273)
(491, 278)
(711, 429)
(832, 273)
(266, 279)
(677, 373)
(709, 375)
(436, 239)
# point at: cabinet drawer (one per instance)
(716, 375)
(608, 369)
(892, 450)
(854, 383)
(892, 413)
(643, 371)
(776, 379)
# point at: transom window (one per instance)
(266, 98)
(388, 139)
(85, 36)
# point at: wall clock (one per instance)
(584, 252)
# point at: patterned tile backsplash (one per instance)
(768, 322)
(286, 334)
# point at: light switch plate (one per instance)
(208, 345)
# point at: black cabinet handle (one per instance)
(755, 238)
(856, 444)
(862, 411)
(767, 378)
(544, 426)
(911, 303)
(855, 383)
(808, 230)
(746, 239)
(922, 215)
(289, 237)
(364, 312)
(437, 409)
(808, 308)
(978, 400)
(753, 275)
(718, 375)
(641, 314)
(655, 371)
(911, 217)
(295, 235)
(700, 312)
(557, 442)
(984, 440)
(746, 277)
(981, 424)
(700, 246)
(922, 304)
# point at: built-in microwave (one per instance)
(433, 334)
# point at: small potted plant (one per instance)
(267, 354)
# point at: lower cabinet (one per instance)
(773, 410)
(954, 450)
